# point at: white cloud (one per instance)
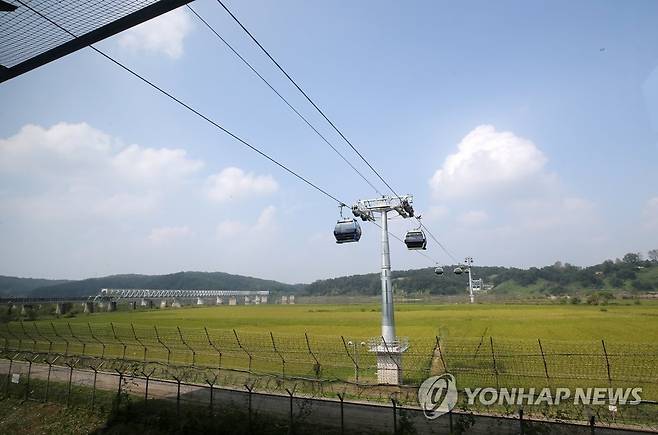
(488, 160)
(229, 229)
(61, 146)
(233, 183)
(473, 217)
(75, 170)
(167, 234)
(151, 164)
(164, 34)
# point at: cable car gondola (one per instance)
(438, 270)
(458, 270)
(347, 230)
(415, 239)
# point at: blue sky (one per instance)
(527, 131)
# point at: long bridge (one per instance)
(116, 293)
(107, 299)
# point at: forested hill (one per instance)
(631, 274)
(180, 280)
(14, 286)
(628, 275)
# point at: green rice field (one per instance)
(616, 323)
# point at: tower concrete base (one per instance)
(389, 360)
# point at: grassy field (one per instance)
(483, 345)
(615, 323)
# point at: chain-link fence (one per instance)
(321, 366)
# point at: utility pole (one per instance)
(469, 262)
(388, 348)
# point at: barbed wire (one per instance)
(478, 361)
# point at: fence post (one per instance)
(317, 368)
(84, 345)
(118, 401)
(212, 344)
(356, 364)
(146, 389)
(114, 332)
(157, 335)
(93, 391)
(291, 424)
(450, 420)
(50, 342)
(29, 374)
(66, 351)
(138, 340)
(477, 350)
(283, 361)
(68, 393)
(212, 387)
(543, 357)
(607, 362)
(180, 334)
(493, 357)
(50, 369)
(237, 339)
(178, 381)
(34, 342)
(97, 340)
(250, 390)
(395, 416)
(521, 425)
(592, 425)
(341, 397)
(438, 346)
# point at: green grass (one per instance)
(570, 335)
(618, 323)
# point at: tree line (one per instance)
(633, 272)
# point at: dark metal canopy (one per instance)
(28, 41)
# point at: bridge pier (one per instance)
(200, 301)
(220, 300)
(88, 307)
(163, 303)
(60, 308)
(133, 305)
(232, 300)
(112, 306)
(175, 304)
